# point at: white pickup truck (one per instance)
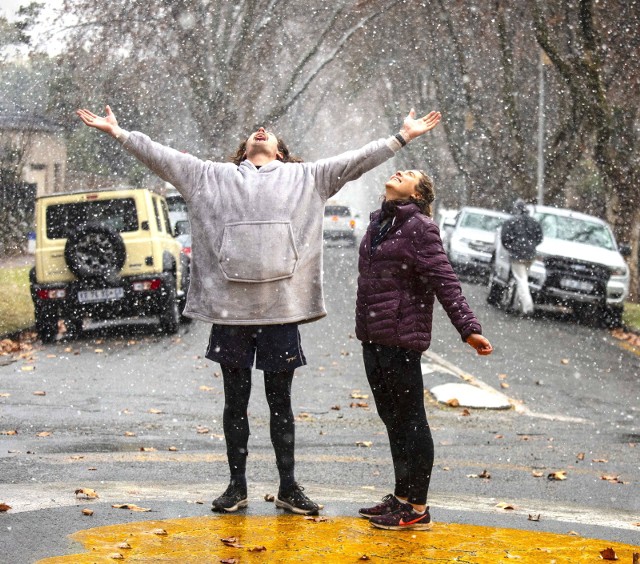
(578, 264)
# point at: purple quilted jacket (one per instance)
(399, 280)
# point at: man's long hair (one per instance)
(241, 153)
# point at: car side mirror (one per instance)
(449, 222)
(625, 249)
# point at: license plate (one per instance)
(103, 295)
(581, 285)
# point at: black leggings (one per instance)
(395, 378)
(237, 389)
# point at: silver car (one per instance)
(578, 264)
(471, 242)
(339, 224)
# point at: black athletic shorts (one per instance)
(275, 347)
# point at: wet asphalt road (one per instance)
(137, 416)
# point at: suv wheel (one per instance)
(95, 251)
(170, 313)
(46, 325)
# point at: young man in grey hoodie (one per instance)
(256, 270)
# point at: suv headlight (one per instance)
(619, 270)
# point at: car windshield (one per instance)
(341, 211)
(481, 221)
(120, 214)
(576, 229)
(176, 204)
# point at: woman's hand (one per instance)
(108, 124)
(478, 342)
(412, 127)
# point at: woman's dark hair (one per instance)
(427, 193)
(241, 153)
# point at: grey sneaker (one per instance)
(389, 504)
(231, 500)
(296, 501)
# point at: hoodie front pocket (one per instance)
(258, 251)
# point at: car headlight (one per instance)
(619, 270)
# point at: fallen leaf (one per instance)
(155, 411)
(116, 556)
(87, 511)
(232, 542)
(465, 412)
(27, 368)
(228, 561)
(98, 351)
(636, 524)
(44, 434)
(172, 449)
(504, 385)
(147, 449)
(600, 460)
(92, 468)
(160, 532)
(206, 388)
(129, 434)
(534, 517)
(580, 456)
(77, 457)
(257, 549)
(611, 478)
(39, 393)
(608, 554)
(359, 404)
(269, 497)
(453, 402)
(125, 545)
(564, 361)
(573, 533)
(356, 394)
(499, 437)
(537, 474)
(558, 476)
(202, 430)
(86, 493)
(364, 443)
(9, 432)
(132, 507)
(4, 507)
(484, 474)
(4, 395)
(505, 506)
(335, 407)
(304, 416)
(364, 557)
(316, 519)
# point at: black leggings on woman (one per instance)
(395, 378)
(237, 389)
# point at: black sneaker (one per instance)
(389, 504)
(296, 502)
(231, 500)
(404, 518)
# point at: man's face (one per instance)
(263, 143)
(402, 185)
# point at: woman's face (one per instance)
(403, 185)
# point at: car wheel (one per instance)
(95, 251)
(494, 296)
(170, 313)
(609, 317)
(46, 325)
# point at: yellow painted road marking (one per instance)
(289, 538)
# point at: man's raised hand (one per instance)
(108, 124)
(412, 127)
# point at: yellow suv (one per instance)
(106, 255)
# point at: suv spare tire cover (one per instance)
(95, 251)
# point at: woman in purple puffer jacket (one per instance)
(402, 269)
